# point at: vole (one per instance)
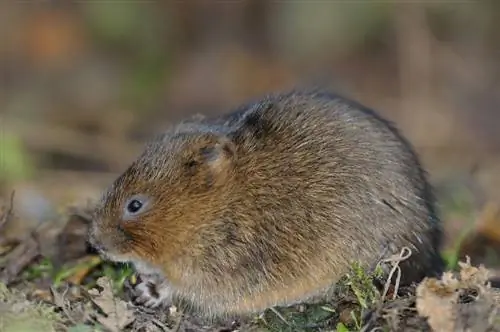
(269, 204)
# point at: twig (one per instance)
(19, 258)
(277, 313)
(178, 324)
(9, 211)
(395, 260)
(404, 254)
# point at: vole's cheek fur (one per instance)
(282, 196)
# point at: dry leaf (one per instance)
(435, 300)
(464, 302)
(74, 313)
(471, 275)
(119, 315)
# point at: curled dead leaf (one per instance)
(459, 302)
(118, 314)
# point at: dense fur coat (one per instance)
(270, 204)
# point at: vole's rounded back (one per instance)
(271, 204)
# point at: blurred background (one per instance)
(85, 83)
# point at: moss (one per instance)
(17, 313)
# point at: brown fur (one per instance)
(271, 204)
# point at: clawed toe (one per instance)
(148, 295)
(153, 303)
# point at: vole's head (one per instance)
(161, 200)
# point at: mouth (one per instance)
(95, 244)
(97, 247)
(102, 251)
(106, 255)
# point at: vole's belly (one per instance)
(300, 291)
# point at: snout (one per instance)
(94, 239)
(97, 246)
(107, 243)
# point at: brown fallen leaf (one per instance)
(459, 302)
(118, 313)
(63, 301)
(42, 295)
(83, 268)
(18, 259)
(435, 300)
(71, 242)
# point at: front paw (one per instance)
(152, 295)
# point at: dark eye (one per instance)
(134, 206)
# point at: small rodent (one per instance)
(269, 205)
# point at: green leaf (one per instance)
(342, 328)
(14, 163)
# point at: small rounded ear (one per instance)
(218, 154)
(213, 152)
